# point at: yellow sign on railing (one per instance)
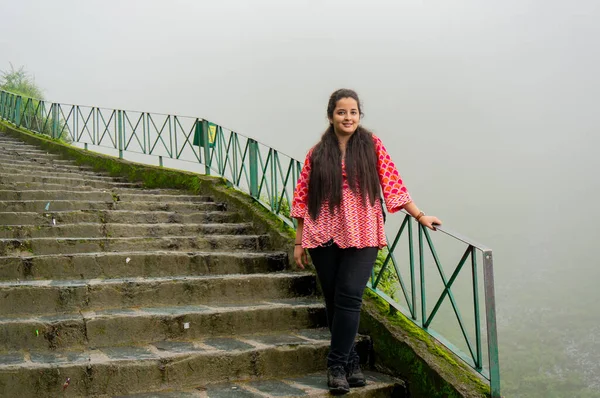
(212, 136)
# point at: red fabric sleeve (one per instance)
(395, 194)
(299, 202)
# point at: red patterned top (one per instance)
(353, 224)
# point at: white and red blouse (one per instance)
(353, 224)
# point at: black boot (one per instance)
(354, 374)
(336, 380)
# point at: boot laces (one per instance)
(338, 371)
(353, 366)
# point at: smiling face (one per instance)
(346, 116)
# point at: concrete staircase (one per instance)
(109, 289)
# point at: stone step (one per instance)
(7, 179)
(13, 195)
(12, 147)
(60, 296)
(34, 186)
(51, 205)
(114, 371)
(19, 152)
(7, 145)
(144, 325)
(5, 140)
(98, 230)
(28, 168)
(182, 197)
(115, 216)
(150, 191)
(35, 160)
(31, 167)
(59, 174)
(312, 385)
(66, 166)
(25, 151)
(139, 264)
(28, 153)
(98, 195)
(181, 207)
(4, 137)
(37, 246)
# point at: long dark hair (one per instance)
(325, 182)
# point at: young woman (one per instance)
(340, 222)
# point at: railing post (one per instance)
(18, 103)
(54, 120)
(4, 104)
(11, 111)
(490, 312)
(274, 189)
(96, 126)
(411, 259)
(234, 143)
(76, 136)
(205, 143)
(479, 361)
(6, 113)
(120, 133)
(253, 152)
(26, 116)
(422, 277)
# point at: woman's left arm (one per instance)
(428, 221)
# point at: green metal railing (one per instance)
(420, 315)
(270, 178)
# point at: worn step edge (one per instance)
(117, 230)
(35, 161)
(60, 296)
(41, 161)
(40, 186)
(311, 385)
(72, 169)
(134, 263)
(7, 206)
(64, 195)
(4, 179)
(183, 243)
(143, 325)
(138, 369)
(107, 216)
(30, 155)
(6, 202)
(59, 174)
(24, 177)
(35, 186)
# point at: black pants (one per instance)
(343, 275)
